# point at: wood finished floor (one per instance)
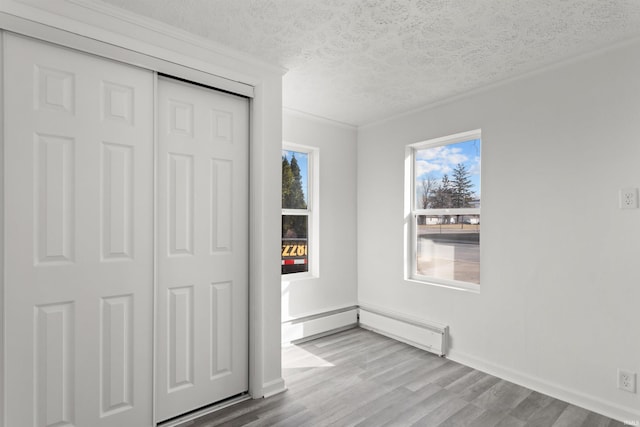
(359, 378)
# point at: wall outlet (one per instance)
(627, 381)
(629, 198)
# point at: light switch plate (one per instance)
(629, 198)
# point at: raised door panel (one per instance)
(116, 354)
(221, 206)
(221, 328)
(55, 386)
(180, 207)
(55, 198)
(79, 248)
(180, 351)
(117, 189)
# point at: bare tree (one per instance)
(428, 186)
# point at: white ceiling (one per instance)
(358, 61)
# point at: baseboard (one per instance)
(319, 324)
(272, 388)
(574, 397)
(324, 334)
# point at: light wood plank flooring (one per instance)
(359, 378)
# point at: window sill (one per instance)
(449, 284)
(296, 277)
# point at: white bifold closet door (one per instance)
(202, 252)
(78, 286)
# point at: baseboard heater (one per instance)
(314, 326)
(432, 337)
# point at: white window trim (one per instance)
(411, 212)
(312, 212)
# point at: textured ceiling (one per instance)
(358, 61)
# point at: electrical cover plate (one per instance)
(629, 198)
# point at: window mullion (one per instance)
(300, 212)
(458, 211)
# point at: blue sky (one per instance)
(303, 162)
(440, 160)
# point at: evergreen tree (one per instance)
(297, 195)
(462, 185)
(443, 193)
(287, 181)
(293, 226)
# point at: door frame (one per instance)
(2, 367)
(260, 82)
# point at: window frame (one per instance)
(412, 212)
(312, 212)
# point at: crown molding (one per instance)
(308, 116)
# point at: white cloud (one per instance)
(424, 168)
(438, 159)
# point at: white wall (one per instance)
(560, 283)
(336, 285)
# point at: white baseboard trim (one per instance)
(319, 324)
(272, 388)
(591, 403)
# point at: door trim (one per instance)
(2, 365)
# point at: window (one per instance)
(298, 203)
(444, 220)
